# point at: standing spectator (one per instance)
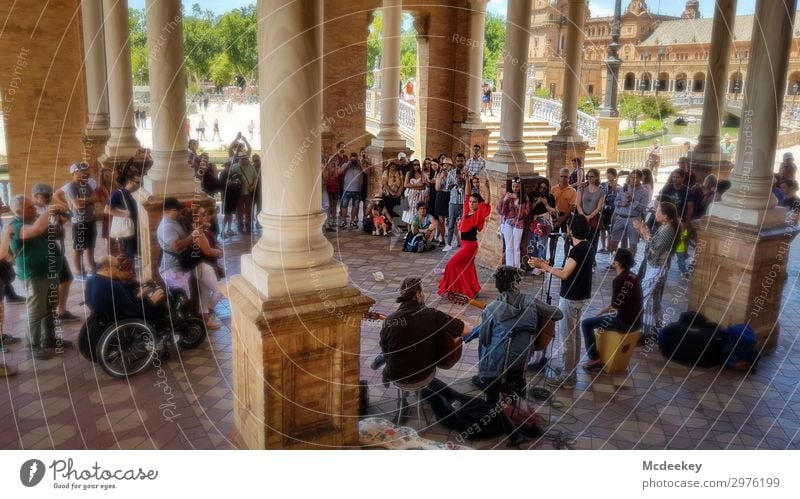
(174, 239)
(42, 195)
(206, 270)
(648, 183)
(476, 164)
(624, 312)
(486, 99)
(244, 208)
(611, 189)
(787, 170)
(629, 207)
(81, 196)
(543, 209)
(416, 191)
(7, 274)
(187, 128)
(576, 179)
(122, 205)
(678, 193)
(192, 152)
(566, 197)
(513, 208)
(403, 163)
(216, 130)
(656, 263)
(352, 175)
(706, 195)
(330, 177)
(201, 128)
(576, 288)
(257, 189)
(238, 148)
(442, 199)
(39, 263)
(231, 185)
(727, 147)
(456, 184)
(790, 200)
(776, 188)
(654, 153)
(5, 339)
(365, 169)
(590, 204)
(251, 129)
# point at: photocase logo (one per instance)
(31, 472)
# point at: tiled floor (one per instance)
(67, 403)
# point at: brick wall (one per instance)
(42, 88)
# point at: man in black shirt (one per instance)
(576, 288)
(678, 193)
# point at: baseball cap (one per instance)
(79, 167)
(401, 155)
(172, 204)
(787, 156)
(43, 189)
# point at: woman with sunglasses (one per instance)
(513, 208)
(416, 185)
(460, 275)
(590, 203)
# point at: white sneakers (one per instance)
(446, 248)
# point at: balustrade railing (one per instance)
(407, 114)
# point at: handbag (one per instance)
(122, 227)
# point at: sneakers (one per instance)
(446, 248)
(342, 224)
(561, 381)
(68, 316)
(354, 225)
(375, 233)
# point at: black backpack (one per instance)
(692, 340)
(468, 415)
(415, 243)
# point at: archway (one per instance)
(662, 82)
(646, 82)
(680, 82)
(699, 82)
(735, 83)
(630, 82)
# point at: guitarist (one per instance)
(408, 336)
(511, 313)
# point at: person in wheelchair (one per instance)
(112, 294)
(511, 317)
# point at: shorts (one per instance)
(607, 214)
(355, 196)
(485, 99)
(84, 235)
(624, 225)
(66, 274)
(333, 198)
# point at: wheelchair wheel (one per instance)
(192, 334)
(126, 348)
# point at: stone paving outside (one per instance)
(67, 403)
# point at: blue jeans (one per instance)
(606, 321)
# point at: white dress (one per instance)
(414, 196)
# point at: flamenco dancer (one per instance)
(460, 275)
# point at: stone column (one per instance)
(743, 246)
(296, 321)
(94, 50)
(170, 174)
(509, 161)
(389, 134)
(567, 143)
(122, 143)
(706, 157)
(477, 26)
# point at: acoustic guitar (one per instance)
(547, 329)
(448, 348)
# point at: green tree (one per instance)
(657, 108)
(138, 45)
(630, 108)
(374, 46)
(236, 31)
(201, 45)
(221, 70)
(494, 39)
(408, 54)
(589, 104)
(542, 92)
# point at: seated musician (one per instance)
(510, 312)
(408, 336)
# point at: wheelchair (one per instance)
(127, 347)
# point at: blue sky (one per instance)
(597, 7)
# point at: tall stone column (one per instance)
(170, 174)
(568, 143)
(706, 157)
(743, 246)
(296, 322)
(94, 50)
(509, 161)
(477, 27)
(122, 143)
(389, 134)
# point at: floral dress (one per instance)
(415, 196)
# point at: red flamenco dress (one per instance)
(460, 275)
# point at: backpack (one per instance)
(692, 340)
(739, 349)
(470, 416)
(415, 243)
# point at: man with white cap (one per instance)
(403, 163)
(80, 197)
(788, 169)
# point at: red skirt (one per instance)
(460, 275)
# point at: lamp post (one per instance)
(613, 63)
(661, 51)
(737, 89)
(645, 58)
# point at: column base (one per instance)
(379, 157)
(277, 283)
(296, 367)
(560, 151)
(608, 137)
(510, 152)
(704, 164)
(151, 211)
(774, 217)
(471, 135)
(740, 274)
